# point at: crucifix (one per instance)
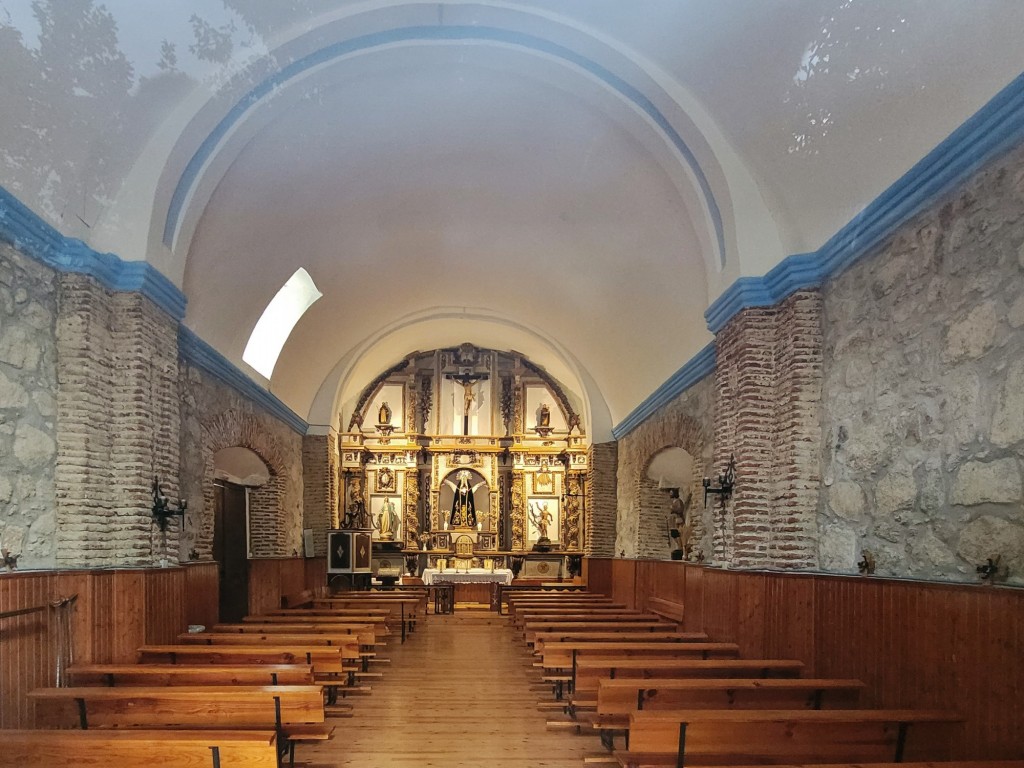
(468, 379)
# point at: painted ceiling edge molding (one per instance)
(197, 352)
(990, 132)
(208, 148)
(27, 232)
(697, 367)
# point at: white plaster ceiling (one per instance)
(510, 189)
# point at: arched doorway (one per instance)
(236, 471)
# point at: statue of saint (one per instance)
(463, 512)
(387, 520)
(542, 518)
(680, 529)
(384, 414)
(543, 415)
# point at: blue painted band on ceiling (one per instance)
(197, 352)
(990, 132)
(698, 367)
(206, 150)
(27, 232)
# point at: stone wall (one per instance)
(642, 510)
(215, 416)
(28, 409)
(924, 391)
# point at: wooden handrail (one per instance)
(37, 608)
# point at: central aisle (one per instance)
(462, 692)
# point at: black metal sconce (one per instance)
(726, 483)
(162, 509)
(866, 564)
(990, 569)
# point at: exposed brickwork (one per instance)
(320, 487)
(215, 417)
(642, 509)
(769, 383)
(602, 462)
(118, 417)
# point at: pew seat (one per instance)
(730, 736)
(200, 674)
(139, 748)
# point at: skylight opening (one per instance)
(277, 321)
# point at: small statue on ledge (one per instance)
(10, 561)
(384, 414)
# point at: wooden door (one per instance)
(230, 549)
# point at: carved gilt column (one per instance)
(574, 495)
(518, 512)
(412, 500)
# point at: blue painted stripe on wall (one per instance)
(699, 366)
(194, 350)
(433, 34)
(993, 130)
(27, 232)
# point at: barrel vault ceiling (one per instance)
(574, 180)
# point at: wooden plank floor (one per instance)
(461, 693)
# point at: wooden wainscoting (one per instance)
(116, 612)
(272, 578)
(914, 644)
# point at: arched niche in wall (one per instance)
(670, 468)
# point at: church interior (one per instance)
(424, 329)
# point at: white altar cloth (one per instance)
(473, 576)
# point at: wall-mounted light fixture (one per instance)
(726, 483)
(162, 509)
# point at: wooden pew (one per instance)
(323, 658)
(202, 674)
(617, 699)
(349, 645)
(406, 610)
(588, 672)
(726, 736)
(296, 712)
(368, 635)
(532, 629)
(564, 655)
(597, 614)
(624, 634)
(139, 749)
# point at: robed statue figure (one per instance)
(463, 514)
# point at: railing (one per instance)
(62, 638)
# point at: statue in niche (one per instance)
(355, 515)
(387, 520)
(680, 527)
(542, 518)
(544, 415)
(463, 512)
(384, 414)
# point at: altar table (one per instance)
(472, 576)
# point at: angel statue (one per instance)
(463, 514)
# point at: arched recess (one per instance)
(268, 532)
(637, 494)
(671, 467)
